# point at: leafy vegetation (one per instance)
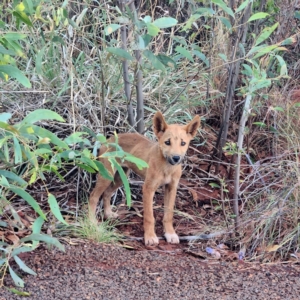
(29, 151)
(72, 73)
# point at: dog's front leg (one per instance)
(149, 221)
(169, 202)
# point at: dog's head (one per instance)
(174, 139)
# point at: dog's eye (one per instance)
(168, 143)
(183, 143)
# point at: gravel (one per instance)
(98, 271)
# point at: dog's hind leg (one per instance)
(101, 185)
(108, 213)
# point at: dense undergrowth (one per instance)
(71, 54)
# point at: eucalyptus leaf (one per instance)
(111, 28)
(14, 72)
(23, 17)
(152, 29)
(242, 6)
(227, 23)
(165, 22)
(278, 108)
(17, 280)
(223, 5)
(22, 249)
(103, 171)
(257, 16)
(13, 177)
(184, 52)
(19, 293)
(55, 208)
(28, 198)
(202, 56)
(36, 228)
(141, 164)
(3, 261)
(23, 266)
(119, 52)
(6, 51)
(17, 151)
(265, 34)
(44, 133)
(124, 180)
(156, 63)
(14, 36)
(75, 138)
(81, 16)
(166, 60)
(41, 115)
(4, 117)
(43, 238)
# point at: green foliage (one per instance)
(10, 47)
(12, 251)
(29, 151)
(145, 31)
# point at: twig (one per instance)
(202, 236)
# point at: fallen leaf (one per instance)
(197, 254)
(13, 238)
(194, 194)
(272, 248)
(127, 246)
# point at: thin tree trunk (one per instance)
(236, 193)
(232, 79)
(231, 86)
(139, 94)
(138, 82)
(127, 89)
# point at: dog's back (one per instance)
(135, 144)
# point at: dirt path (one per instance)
(90, 271)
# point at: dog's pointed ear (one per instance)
(193, 126)
(159, 124)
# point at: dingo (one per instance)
(164, 159)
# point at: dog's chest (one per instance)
(169, 174)
(167, 179)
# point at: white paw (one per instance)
(172, 238)
(151, 240)
(110, 215)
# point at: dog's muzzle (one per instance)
(174, 160)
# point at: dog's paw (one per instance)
(151, 240)
(172, 238)
(111, 215)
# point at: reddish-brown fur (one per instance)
(164, 159)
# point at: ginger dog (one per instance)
(164, 160)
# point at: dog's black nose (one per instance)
(176, 159)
